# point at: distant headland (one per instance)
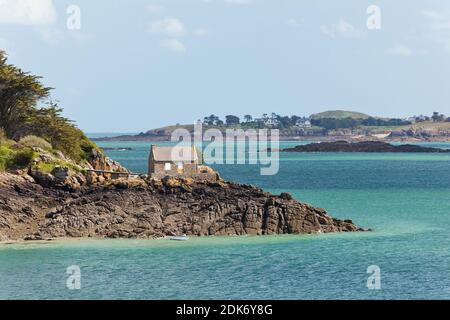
(325, 126)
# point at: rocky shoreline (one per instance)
(146, 209)
(364, 146)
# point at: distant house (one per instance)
(173, 161)
(303, 124)
(411, 119)
(422, 118)
(271, 122)
(268, 122)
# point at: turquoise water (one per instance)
(405, 198)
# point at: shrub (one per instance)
(5, 157)
(33, 141)
(45, 167)
(23, 158)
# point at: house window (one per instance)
(167, 166)
(180, 165)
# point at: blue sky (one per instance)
(135, 65)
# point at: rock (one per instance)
(61, 173)
(365, 146)
(98, 161)
(121, 184)
(42, 178)
(149, 209)
(100, 179)
(81, 178)
(33, 237)
(286, 196)
(92, 177)
(172, 182)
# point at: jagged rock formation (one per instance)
(141, 208)
(365, 146)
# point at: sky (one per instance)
(134, 65)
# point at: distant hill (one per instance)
(340, 114)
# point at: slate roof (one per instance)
(174, 154)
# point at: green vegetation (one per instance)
(320, 124)
(340, 114)
(29, 116)
(16, 156)
(5, 157)
(35, 142)
(11, 158)
(23, 158)
(350, 123)
(45, 167)
(48, 167)
(231, 120)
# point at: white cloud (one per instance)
(342, 29)
(201, 32)
(173, 45)
(400, 50)
(155, 8)
(169, 26)
(27, 12)
(292, 22)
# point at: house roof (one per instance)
(174, 153)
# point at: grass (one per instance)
(45, 167)
(427, 125)
(340, 114)
(48, 167)
(16, 156)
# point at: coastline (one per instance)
(196, 240)
(285, 138)
(144, 209)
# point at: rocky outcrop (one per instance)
(365, 146)
(141, 208)
(99, 161)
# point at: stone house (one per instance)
(179, 162)
(173, 161)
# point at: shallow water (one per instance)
(405, 198)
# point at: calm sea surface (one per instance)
(405, 198)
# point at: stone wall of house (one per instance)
(202, 176)
(159, 168)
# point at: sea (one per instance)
(403, 198)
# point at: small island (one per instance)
(364, 146)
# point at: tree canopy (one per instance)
(26, 109)
(19, 95)
(232, 120)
